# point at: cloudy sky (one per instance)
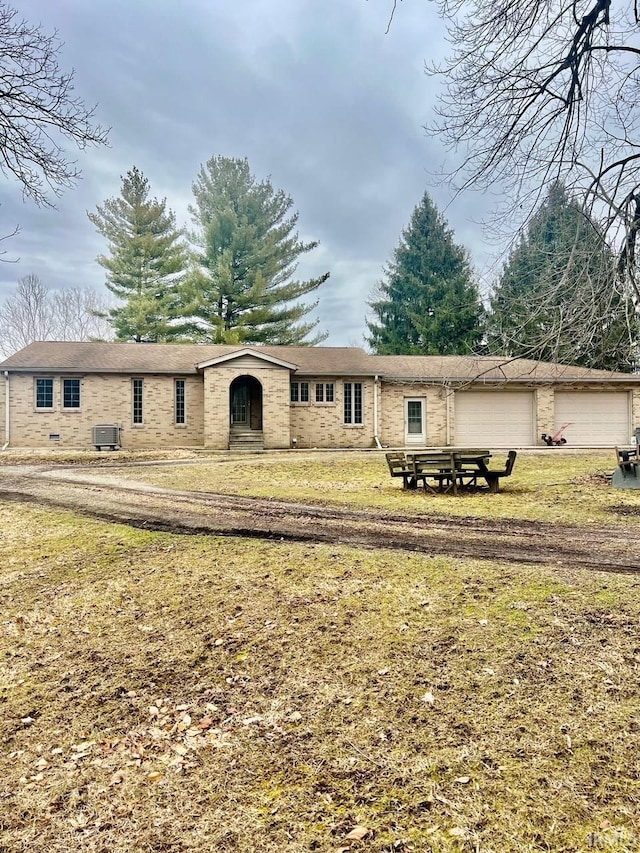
(314, 93)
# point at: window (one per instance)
(181, 412)
(324, 392)
(299, 392)
(353, 402)
(44, 393)
(136, 392)
(70, 393)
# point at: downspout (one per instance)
(376, 389)
(6, 410)
(447, 406)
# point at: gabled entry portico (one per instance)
(246, 400)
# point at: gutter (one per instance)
(7, 421)
(376, 388)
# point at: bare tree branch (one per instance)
(39, 112)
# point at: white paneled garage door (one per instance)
(596, 417)
(494, 418)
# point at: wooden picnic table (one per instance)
(448, 470)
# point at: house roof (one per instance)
(185, 359)
(70, 357)
(487, 369)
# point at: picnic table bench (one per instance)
(448, 470)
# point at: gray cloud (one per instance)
(312, 92)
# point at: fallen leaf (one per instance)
(155, 776)
(358, 833)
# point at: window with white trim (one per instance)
(44, 393)
(70, 393)
(325, 392)
(352, 402)
(180, 398)
(299, 392)
(137, 388)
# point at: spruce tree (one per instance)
(146, 262)
(428, 303)
(242, 289)
(559, 297)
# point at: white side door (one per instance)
(415, 420)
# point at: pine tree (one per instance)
(146, 262)
(559, 297)
(428, 303)
(242, 289)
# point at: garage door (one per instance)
(494, 418)
(596, 417)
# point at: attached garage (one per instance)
(494, 418)
(595, 417)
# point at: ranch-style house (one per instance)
(223, 397)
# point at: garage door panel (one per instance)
(594, 417)
(494, 418)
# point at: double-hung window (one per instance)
(137, 387)
(70, 393)
(324, 392)
(353, 402)
(299, 392)
(44, 393)
(180, 409)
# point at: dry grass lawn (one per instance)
(166, 693)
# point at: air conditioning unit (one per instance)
(106, 435)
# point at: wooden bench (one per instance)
(493, 477)
(628, 461)
(399, 466)
(438, 466)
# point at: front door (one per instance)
(415, 409)
(240, 405)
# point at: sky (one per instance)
(316, 94)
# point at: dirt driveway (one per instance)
(101, 495)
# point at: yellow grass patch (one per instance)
(197, 693)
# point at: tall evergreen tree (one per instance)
(146, 262)
(428, 303)
(242, 288)
(559, 297)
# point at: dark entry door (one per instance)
(240, 405)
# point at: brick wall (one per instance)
(106, 399)
(393, 408)
(545, 413)
(322, 424)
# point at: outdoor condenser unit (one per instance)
(106, 435)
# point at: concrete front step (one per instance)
(246, 440)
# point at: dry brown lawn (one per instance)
(196, 693)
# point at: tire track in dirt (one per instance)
(205, 513)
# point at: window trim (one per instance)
(177, 404)
(135, 404)
(38, 379)
(63, 380)
(353, 398)
(322, 394)
(295, 396)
